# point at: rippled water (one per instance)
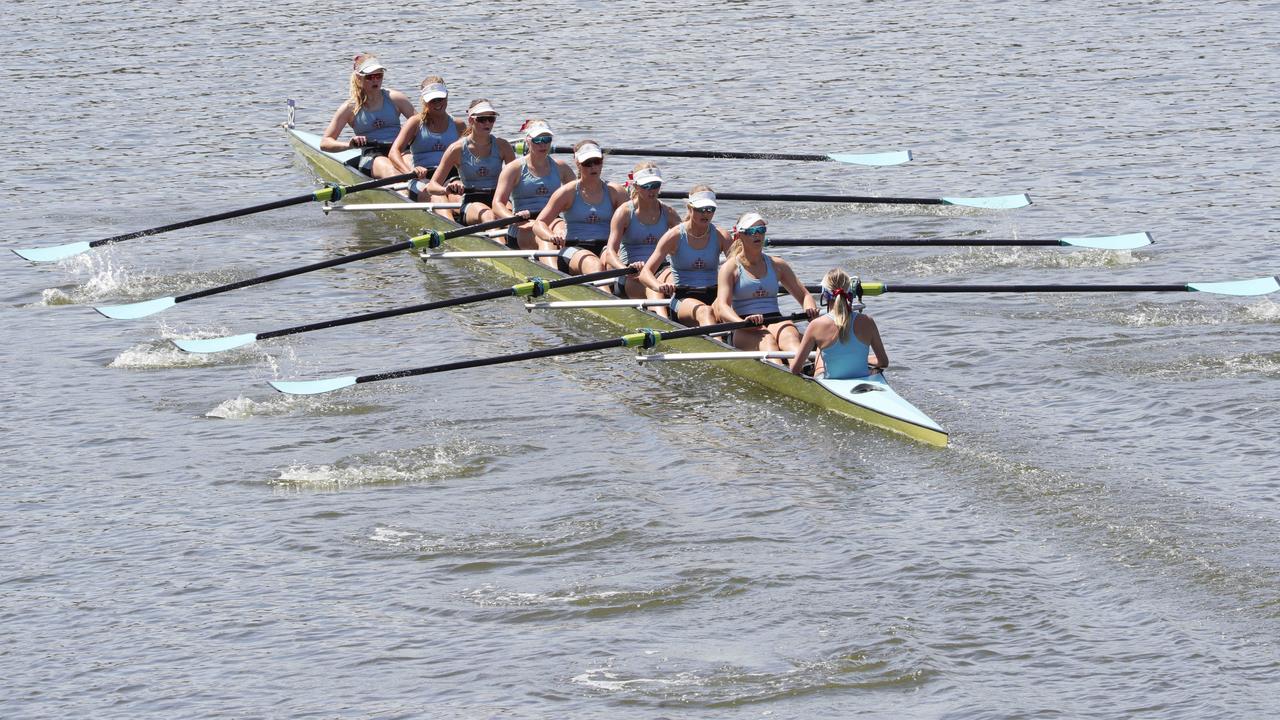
(586, 538)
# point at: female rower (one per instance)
(374, 116)
(527, 183)
(693, 248)
(577, 217)
(478, 158)
(842, 335)
(427, 135)
(748, 290)
(635, 229)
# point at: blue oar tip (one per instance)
(136, 310)
(312, 387)
(896, 157)
(213, 345)
(998, 202)
(51, 254)
(1239, 288)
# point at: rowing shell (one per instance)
(870, 400)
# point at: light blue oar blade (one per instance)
(136, 310)
(998, 202)
(53, 253)
(896, 157)
(1132, 241)
(213, 345)
(1242, 288)
(312, 387)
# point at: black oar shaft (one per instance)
(624, 341)
(714, 154)
(246, 211)
(895, 288)
(295, 271)
(406, 245)
(779, 197)
(438, 304)
(912, 242)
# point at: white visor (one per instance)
(434, 91)
(647, 175)
(702, 199)
(537, 129)
(590, 151)
(482, 108)
(369, 67)
(748, 220)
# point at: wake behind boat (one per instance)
(871, 400)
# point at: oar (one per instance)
(534, 287)
(430, 239)
(1131, 241)
(326, 194)
(998, 202)
(880, 159)
(646, 338)
(1237, 288)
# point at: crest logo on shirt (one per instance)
(379, 123)
(482, 171)
(650, 239)
(759, 292)
(542, 190)
(437, 146)
(699, 264)
(592, 217)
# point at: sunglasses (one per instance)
(373, 76)
(593, 162)
(757, 230)
(705, 211)
(541, 140)
(649, 185)
(486, 119)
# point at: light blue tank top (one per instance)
(382, 126)
(480, 174)
(585, 221)
(428, 147)
(756, 295)
(532, 192)
(639, 239)
(846, 359)
(693, 267)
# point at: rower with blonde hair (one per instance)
(373, 115)
(526, 183)
(576, 219)
(635, 229)
(477, 157)
(848, 341)
(423, 140)
(693, 249)
(747, 289)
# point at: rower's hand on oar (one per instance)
(455, 187)
(811, 313)
(757, 319)
(667, 288)
(357, 141)
(421, 172)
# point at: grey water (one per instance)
(587, 537)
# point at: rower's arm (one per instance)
(866, 330)
(400, 144)
(724, 293)
(617, 228)
(329, 141)
(560, 201)
(448, 162)
(502, 195)
(787, 278)
(649, 273)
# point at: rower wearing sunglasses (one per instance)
(526, 183)
(470, 167)
(576, 218)
(635, 229)
(373, 115)
(747, 289)
(423, 140)
(693, 249)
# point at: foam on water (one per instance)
(426, 463)
(245, 408)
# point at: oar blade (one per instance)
(53, 253)
(312, 387)
(133, 311)
(1131, 241)
(996, 202)
(1239, 288)
(883, 159)
(214, 345)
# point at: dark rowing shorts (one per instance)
(484, 197)
(573, 247)
(705, 295)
